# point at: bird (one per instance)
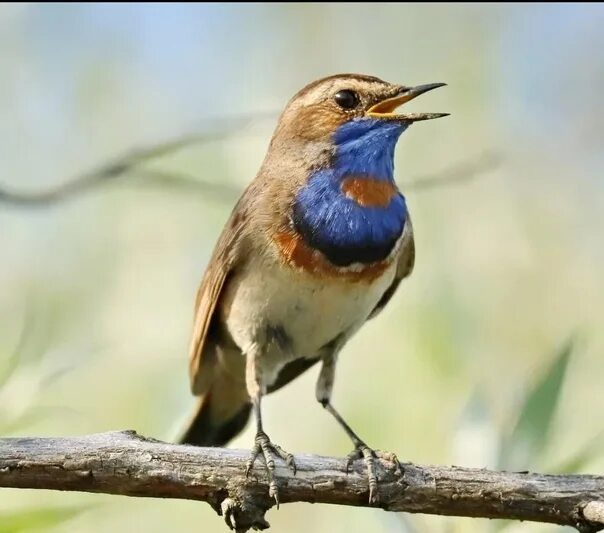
(317, 244)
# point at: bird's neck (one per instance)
(352, 211)
(366, 147)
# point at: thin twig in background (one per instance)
(133, 163)
(464, 172)
(461, 173)
(125, 463)
(123, 164)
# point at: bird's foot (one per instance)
(264, 446)
(369, 456)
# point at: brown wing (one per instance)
(406, 261)
(224, 259)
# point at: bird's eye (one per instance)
(346, 99)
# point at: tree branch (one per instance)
(125, 463)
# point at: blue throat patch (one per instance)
(342, 229)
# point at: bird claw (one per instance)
(391, 457)
(237, 519)
(263, 446)
(228, 508)
(362, 451)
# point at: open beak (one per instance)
(386, 108)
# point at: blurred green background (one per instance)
(490, 355)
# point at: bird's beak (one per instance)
(385, 108)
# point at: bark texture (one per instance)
(126, 463)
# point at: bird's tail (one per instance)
(221, 412)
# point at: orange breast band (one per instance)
(369, 192)
(296, 253)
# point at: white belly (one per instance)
(311, 311)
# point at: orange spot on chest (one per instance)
(295, 252)
(368, 192)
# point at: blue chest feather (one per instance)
(337, 225)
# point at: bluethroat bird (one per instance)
(317, 244)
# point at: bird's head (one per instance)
(359, 111)
(333, 150)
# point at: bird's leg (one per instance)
(262, 444)
(361, 450)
